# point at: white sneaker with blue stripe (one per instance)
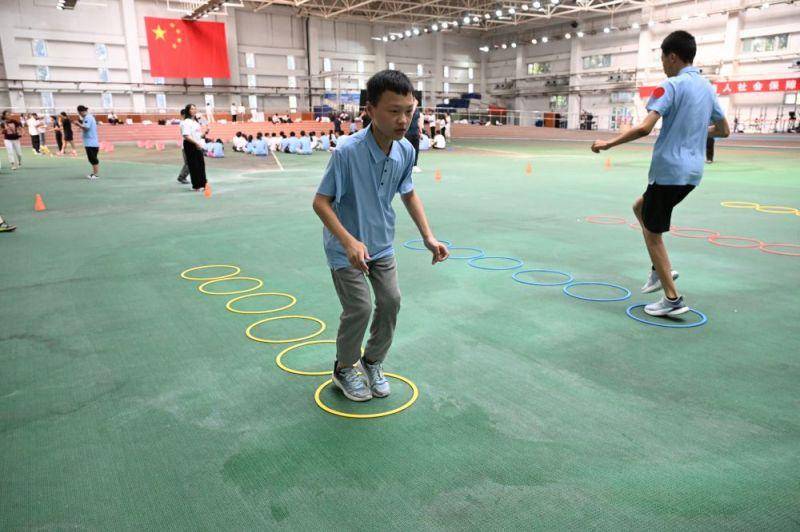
(349, 381)
(378, 384)
(667, 307)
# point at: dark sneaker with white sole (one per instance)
(667, 307)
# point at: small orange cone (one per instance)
(38, 204)
(529, 168)
(207, 191)
(608, 163)
(438, 175)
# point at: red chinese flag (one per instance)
(186, 49)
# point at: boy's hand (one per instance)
(439, 250)
(600, 145)
(358, 255)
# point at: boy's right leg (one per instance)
(354, 295)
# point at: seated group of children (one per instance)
(304, 144)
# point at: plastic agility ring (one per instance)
(683, 232)
(776, 209)
(602, 299)
(409, 246)
(252, 336)
(480, 253)
(534, 283)
(598, 219)
(764, 248)
(184, 274)
(203, 289)
(326, 408)
(739, 204)
(230, 303)
(284, 367)
(490, 257)
(703, 319)
(716, 241)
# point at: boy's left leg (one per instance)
(383, 277)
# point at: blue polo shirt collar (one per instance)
(689, 68)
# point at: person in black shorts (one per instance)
(66, 127)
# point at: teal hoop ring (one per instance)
(534, 283)
(601, 299)
(409, 246)
(703, 319)
(472, 262)
(480, 253)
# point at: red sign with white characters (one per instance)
(726, 88)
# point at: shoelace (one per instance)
(351, 376)
(378, 373)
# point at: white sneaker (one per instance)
(653, 283)
(92, 177)
(417, 169)
(665, 307)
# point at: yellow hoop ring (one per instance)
(230, 303)
(184, 273)
(739, 204)
(202, 287)
(326, 408)
(287, 341)
(284, 367)
(776, 209)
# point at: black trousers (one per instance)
(197, 164)
(59, 140)
(35, 143)
(709, 148)
(414, 140)
(233, 117)
(433, 132)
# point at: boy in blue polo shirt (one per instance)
(354, 202)
(90, 141)
(687, 103)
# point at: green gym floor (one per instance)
(131, 401)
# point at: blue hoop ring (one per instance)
(602, 299)
(480, 254)
(406, 244)
(534, 283)
(519, 264)
(703, 319)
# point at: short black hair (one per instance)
(291, 133)
(302, 133)
(387, 80)
(682, 44)
(82, 108)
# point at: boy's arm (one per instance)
(720, 128)
(417, 212)
(642, 130)
(356, 251)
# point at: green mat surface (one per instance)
(131, 401)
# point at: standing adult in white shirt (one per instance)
(240, 112)
(234, 111)
(193, 146)
(32, 124)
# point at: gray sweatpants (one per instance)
(185, 170)
(353, 291)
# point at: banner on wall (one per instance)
(186, 49)
(726, 88)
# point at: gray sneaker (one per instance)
(665, 307)
(375, 378)
(653, 283)
(351, 384)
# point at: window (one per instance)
(250, 60)
(158, 81)
(100, 51)
(252, 101)
(446, 71)
(39, 48)
(446, 87)
(328, 84)
(597, 61)
(790, 98)
(557, 102)
(391, 66)
(768, 43)
(470, 73)
(102, 73)
(292, 82)
(290, 64)
(538, 68)
(161, 100)
(420, 85)
(293, 104)
(420, 70)
(43, 73)
(471, 88)
(360, 65)
(251, 80)
(208, 82)
(47, 100)
(326, 64)
(622, 97)
(108, 100)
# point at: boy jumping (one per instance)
(354, 202)
(687, 103)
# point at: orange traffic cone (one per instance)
(38, 204)
(207, 190)
(438, 175)
(529, 168)
(608, 163)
